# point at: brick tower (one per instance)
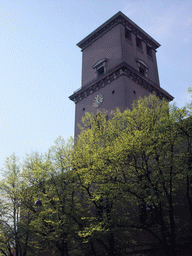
(119, 65)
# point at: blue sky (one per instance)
(40, 64)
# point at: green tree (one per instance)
(126, 181)
(58, 220)
(28, 229)
(98, 171)
(183, 119)
(131, 167)
(14, 232)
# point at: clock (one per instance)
(98, 100)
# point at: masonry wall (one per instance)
(131, 53)
(107, 46)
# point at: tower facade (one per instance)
(119, 66)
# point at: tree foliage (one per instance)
(14, 233)
(133, 166)
(126, 181)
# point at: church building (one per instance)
(118, 66)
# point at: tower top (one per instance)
(118, 66)
(118, 18)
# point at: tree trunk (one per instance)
(111, 244)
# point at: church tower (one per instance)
(119, 65)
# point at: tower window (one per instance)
(100, 70)
(142, 67)
(100, 67)
(139, 43)
(128, 34)
(142, 70)
(149, 51)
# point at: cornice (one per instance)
(122, 69)
(118, 18)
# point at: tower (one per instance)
(119, 66)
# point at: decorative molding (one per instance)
(142, 62)
(99, 62)
(119, 18)
(121, 70)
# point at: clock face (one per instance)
(98, 100)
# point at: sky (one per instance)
(40, 64)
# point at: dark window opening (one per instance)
(128, 34)
(149, 51)
(139, 42)
(100, 71)
(134, 92)
(142, 71)
(113, 92)
(83, 109)
(100, 67)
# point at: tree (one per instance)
(27, 229)
(58, 220)
(133, 163)
(125, 181)
(183, 118)
(14, 232)
(99, 169)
